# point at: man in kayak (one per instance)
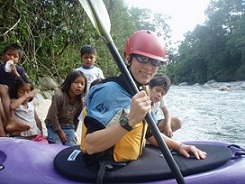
(116, 129)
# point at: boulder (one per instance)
(47, 83)
(42, 110)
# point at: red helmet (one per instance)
(146, 43)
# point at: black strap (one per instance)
(108, 165)
(120, 80)
(101, 173)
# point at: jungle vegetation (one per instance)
(52, 32)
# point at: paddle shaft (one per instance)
(132, 86)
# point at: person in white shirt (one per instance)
(88, 58)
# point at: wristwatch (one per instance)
(124, 123)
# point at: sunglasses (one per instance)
(143, 59)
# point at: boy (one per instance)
(12, 52)
(88, 58)
(159, 87)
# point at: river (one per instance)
(208, 113)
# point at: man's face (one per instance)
(142, 72)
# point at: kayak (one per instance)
(23, 161)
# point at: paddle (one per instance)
(98, 15)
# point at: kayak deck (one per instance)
(23, 161)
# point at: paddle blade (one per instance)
(97, 13)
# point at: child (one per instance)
(22, 94)
(88, 58)
(8, 123)
(159, 87)
(66, 104)
(12, 52)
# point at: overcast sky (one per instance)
(186, 14)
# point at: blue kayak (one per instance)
(23, 161)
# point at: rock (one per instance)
(42, 110)
(224, 88)
(183, 84)
(211, 81)
(48, 83)
(48, 94)
(38, 99)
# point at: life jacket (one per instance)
(131, 144)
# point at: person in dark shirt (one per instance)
(9, 70)
(66, 104)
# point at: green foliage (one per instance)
(52, 33)
(214, 50)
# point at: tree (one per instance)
(52, 32)
(214, 50)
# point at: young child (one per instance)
(66, 104)
(22, 94)
(159, 87)
(8, 123)
(13, 53)
(88, 58)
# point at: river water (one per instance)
(208, 113)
